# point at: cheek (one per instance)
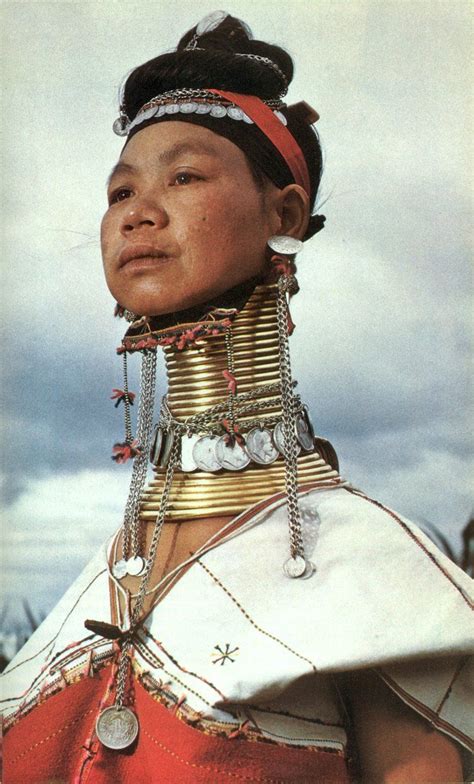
(106, 233)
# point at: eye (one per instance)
(119, 195)
(185, 178)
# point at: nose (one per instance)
(142, 215)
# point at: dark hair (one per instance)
(216, 61)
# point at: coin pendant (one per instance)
(279, 439)
(304, 430)
(295, 567)
(204, 454)
(117, 728)
(166, 447)
(188, 462)
(260, 446)
(156, 445)
(232, 457)
(136, 565)
(119, 569)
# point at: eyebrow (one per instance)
(166, 157)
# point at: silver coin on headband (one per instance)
(233, 457)
(204, 454)
(260, 447)
(304, 430)
(280, 243)
(117, 728)
(279, 439)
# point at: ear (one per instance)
(292, 206)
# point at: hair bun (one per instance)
(218, 30)
(221, 32)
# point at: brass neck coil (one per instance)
(196, 382)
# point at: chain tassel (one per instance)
(296, 565)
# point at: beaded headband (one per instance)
(266, 115)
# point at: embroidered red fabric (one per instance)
(56, 742)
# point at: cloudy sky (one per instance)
(385, 294)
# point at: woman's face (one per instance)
(186, 220)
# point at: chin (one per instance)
(162, 305)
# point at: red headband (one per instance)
(275, 131)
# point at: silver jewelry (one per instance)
(260, 446)
(288, 246)
(119, 569)
(204, 454)
(166, 448)
(206, 25)
(136, 565)
(304, 430)
(231, 456)
(287, 285)
(279, 439)
(188, 443)
(117, 728)
(188, 101)
(266, 61)
(156, 445)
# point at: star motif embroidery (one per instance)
(220, 656)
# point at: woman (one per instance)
(186, 652)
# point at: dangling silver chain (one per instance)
(229, 347)
(140, 464)
(140, 600)
(128, 419)
(296, 566)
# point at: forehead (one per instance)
(168, 140)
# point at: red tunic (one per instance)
(56, 744)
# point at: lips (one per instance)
(136, 252)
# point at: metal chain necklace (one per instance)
(296, 565)
(131, 562)
(117, 726)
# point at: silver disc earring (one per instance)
(281, 243)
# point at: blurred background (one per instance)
(383, 319)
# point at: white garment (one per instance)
(239, 640)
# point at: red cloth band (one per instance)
(274, 130)
(56, 741)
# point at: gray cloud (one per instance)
(380, 348)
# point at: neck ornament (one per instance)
(195, 406)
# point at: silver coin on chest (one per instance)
(117, 728)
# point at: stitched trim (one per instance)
(227, 773)
(180, 667)
(299, 741)
(175, 678)
(458, 669)
(415, 539)
(426, 712)
(47, 690)
(53, 735)
(288, 715)
(51, 670)
(53, 639)
(254, 624)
